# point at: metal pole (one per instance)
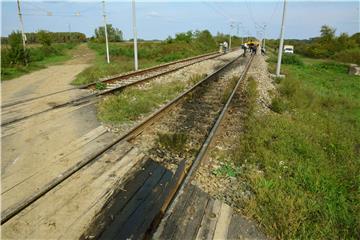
(106, 35)
(135, 35)
(281, 45)
(21, 25)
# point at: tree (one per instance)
(327, 33)
(16, 54)
(114, 34)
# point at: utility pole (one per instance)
(231, 27)
(135, 34)
(21, 25)
(106, 35)
(281, 45)
(69, 25)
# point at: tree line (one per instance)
(56, 37)
(344, 48)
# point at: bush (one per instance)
(16, 55)
(291, 59)
(278, 105)
(348, 55)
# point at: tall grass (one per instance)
(303, 164)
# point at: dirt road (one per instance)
(49, 80)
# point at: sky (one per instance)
(160, 19)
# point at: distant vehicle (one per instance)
(289, 49)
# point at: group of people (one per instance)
(251, 47)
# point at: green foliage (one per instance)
(132, 102)
(16, 55)
(114, 34)
(149, 53)
(14, 65)
(56, 37)
(172, 141)
(303, 165)
(227, 170)
(348, 55)
(44, 37)
(100, 86)
(291, 59)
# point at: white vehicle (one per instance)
(289, 49)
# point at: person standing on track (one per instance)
(225, 44)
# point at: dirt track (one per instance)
(49, 80)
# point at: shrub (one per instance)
(16, 54)
(291, 59)
(348, 55)
(278, 105)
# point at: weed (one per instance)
(228, 90)
(133, 102)
(100, 86)
(195, 78)
(279, 105)
(172, 141)
(226, 169)
(303, 166)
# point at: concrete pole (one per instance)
(106, 35)
(281, 45)
(135, 35)
(21, 25)
(264, 35)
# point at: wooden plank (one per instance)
(169, 225)
(8, 180)
(193, 216)
(123, 195)
(209, 221)
(67, 210)
(222, 225)
(139, 198)
(139, 222)
(39, 183)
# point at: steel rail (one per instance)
(113, 78)
(185, 178)
(11, 212)
(86, 98)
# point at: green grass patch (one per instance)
(303, 164)
(134, 102)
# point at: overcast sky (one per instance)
(159, 19)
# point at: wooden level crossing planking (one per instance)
(68, 209)
(197, 216)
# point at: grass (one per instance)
(39, 59)
(134, 102)
(172, 141)
(121, 58)
(302, 163)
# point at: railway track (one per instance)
(23, 109)
(182, 179)
(202, 131)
